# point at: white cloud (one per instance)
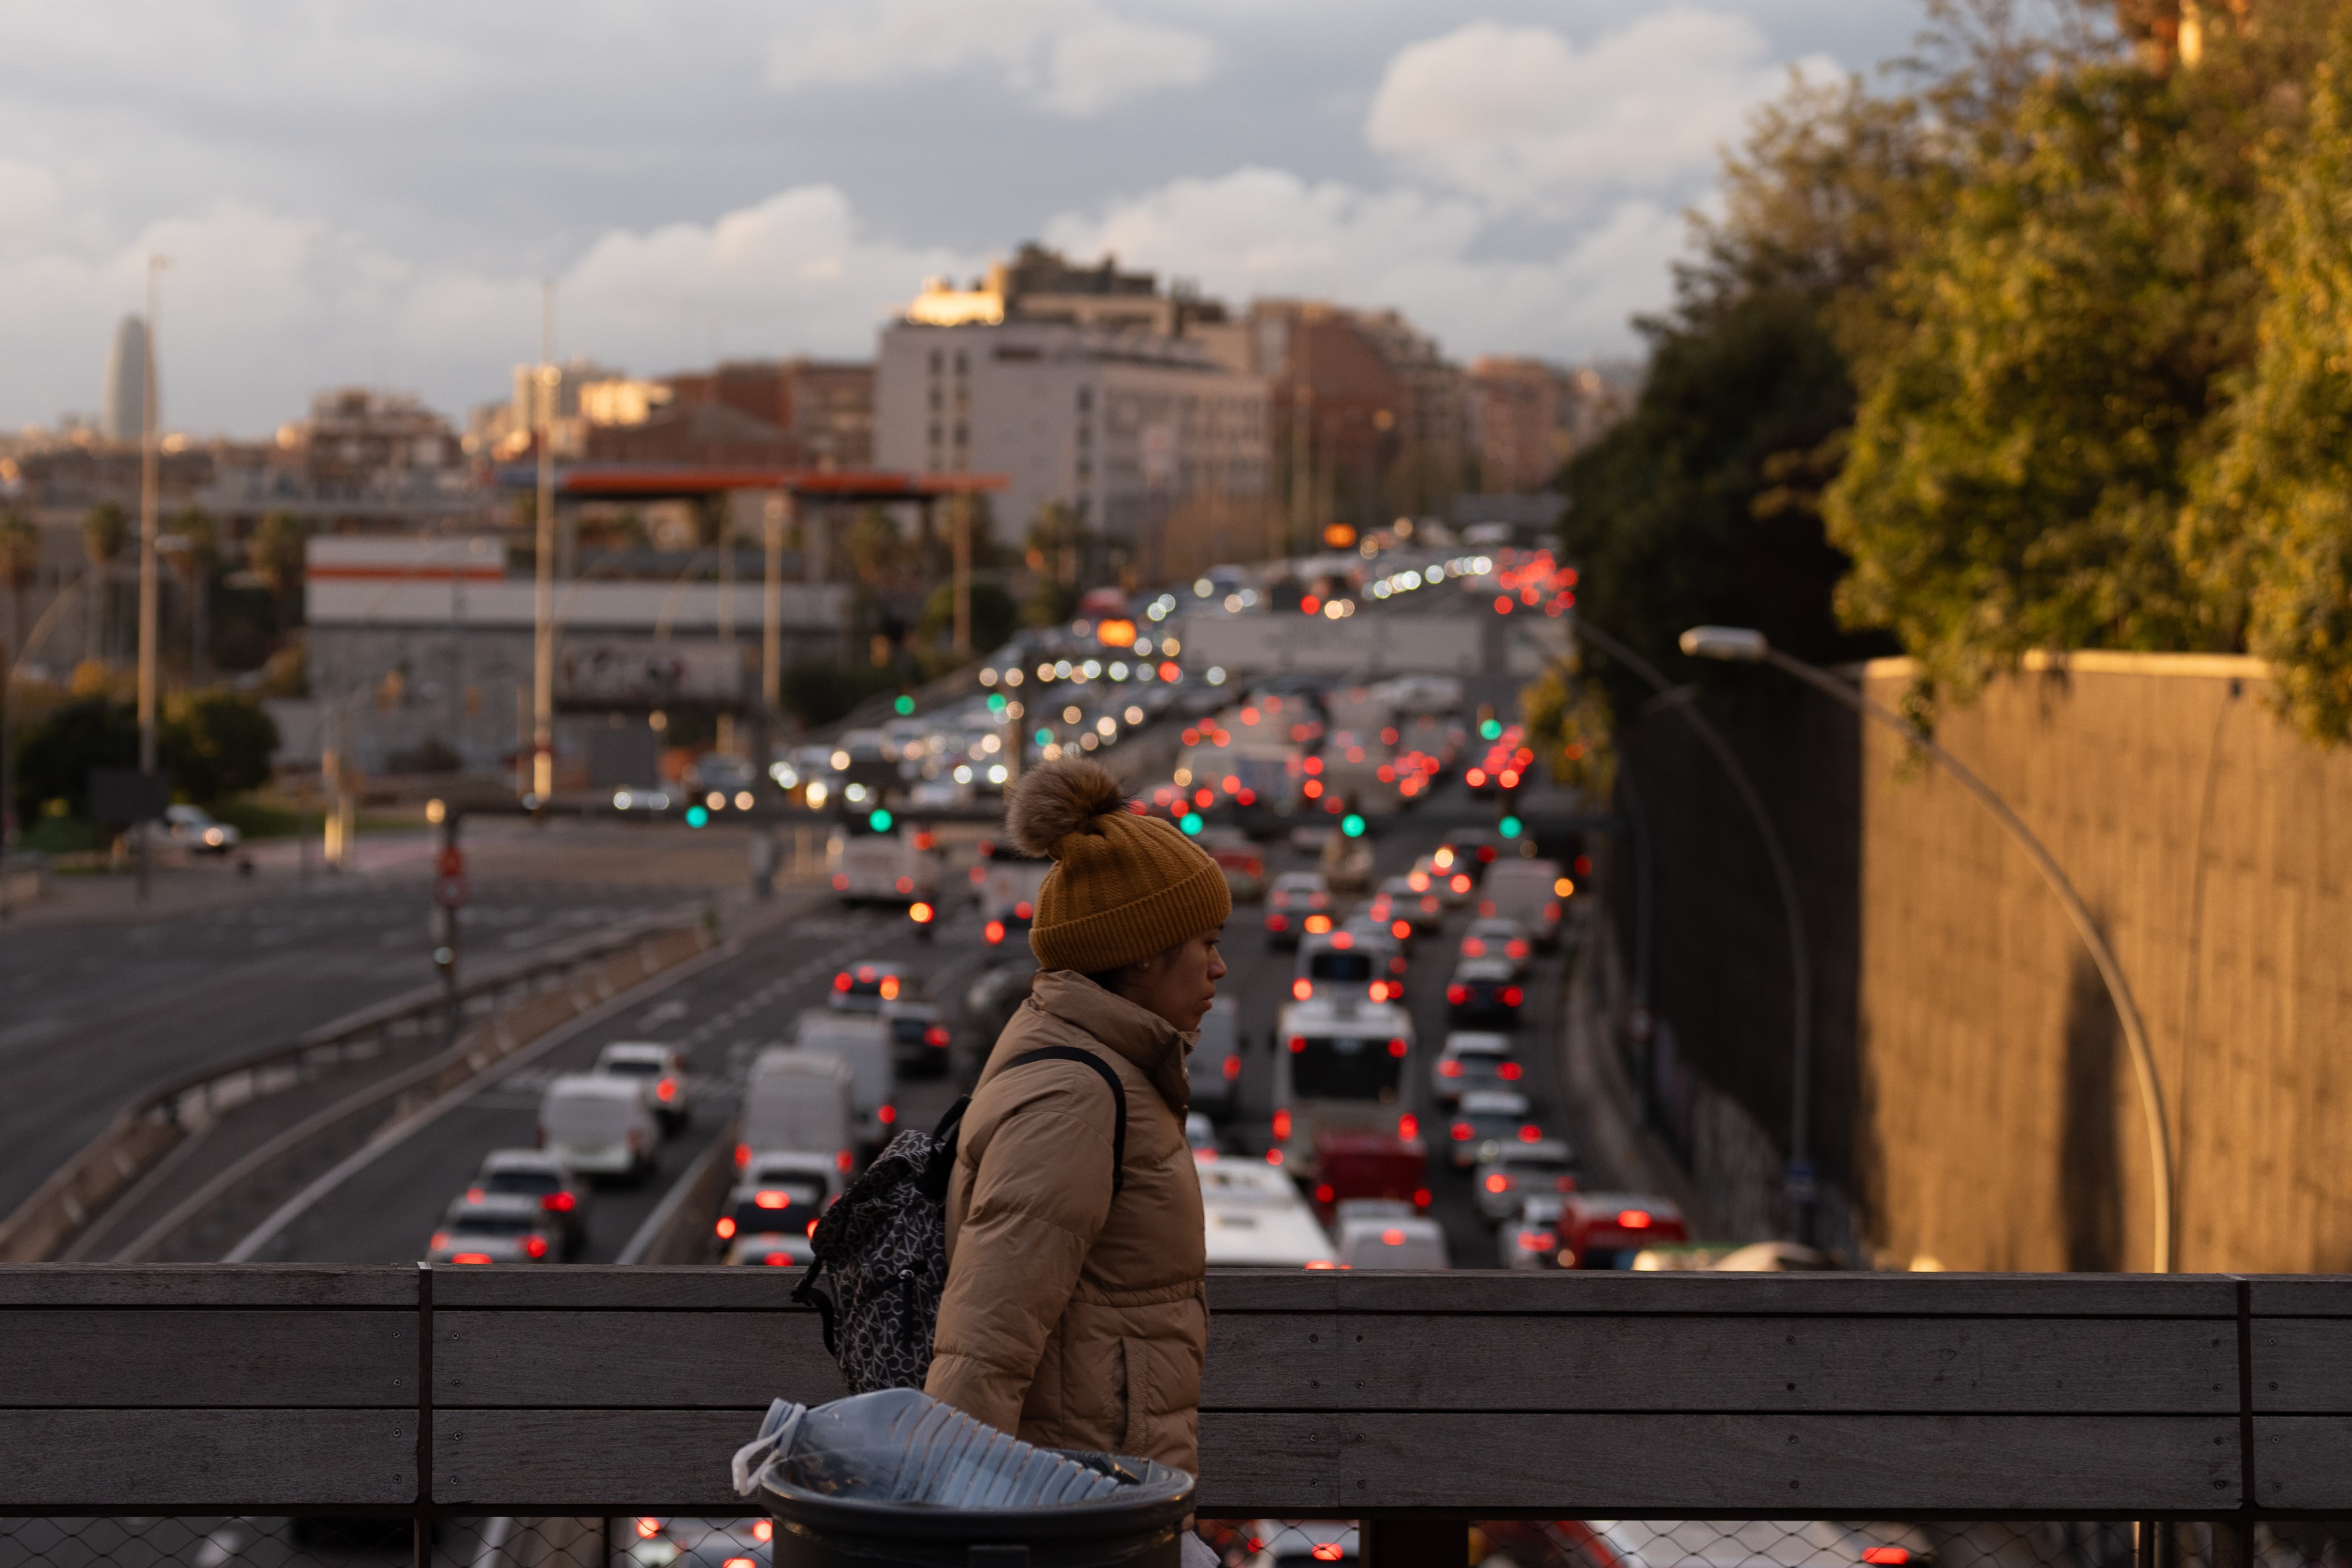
(1268, 232)
(1522, 117)
(260, 309)
(1074, 57)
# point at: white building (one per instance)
(1147, 437)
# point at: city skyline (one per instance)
(376, 201)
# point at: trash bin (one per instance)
(895, 1479)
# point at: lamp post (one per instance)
(1801, 1184)
(543, 643)
(1740, 645)
(150, 451)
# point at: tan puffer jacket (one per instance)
(1076, 1321)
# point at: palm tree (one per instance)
(104, 532)
(20, 556)
(277, 552)
(198, 557)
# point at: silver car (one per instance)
(1511, 1172)
(496, 1228)
(1531, 1240)
(1473, 1059)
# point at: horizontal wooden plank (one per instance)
(2303, 1366)
(2300, 1295)
(125, 1356)
(1781, 1295)
(1993, 1366)
(1788, 1466)
(2304, 1463)
(666, 1359)
(207, 1285)
(620, 1288)
(1577, 1465)
(205, 1461)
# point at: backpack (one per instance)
(881, 1251)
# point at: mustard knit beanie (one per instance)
(1123, 885)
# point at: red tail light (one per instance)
(1298, 1044)
(920, 914)
(905, 885)
(666, 1089)
(1023, 910)
(1534, 1241)
(1392, 1236)
(763, 1530)
(1530, 1134)
(888, 1115)
(1457, 995)
(1277, 922)
(1396, 966)
(1401, 929)
(768, 1199)
(841, 981)
(648, 1527)
(440, 1240)
(1282, 1124)
(1636, 1219)
(1511, 996)
(1343, 940)
(1396, 1048)
(1233, 1067)
(535, 1246)
(1485, 854)
(936, 1035)
(843, 1161)
(1461, 883)
(1303, 989)
(812, 1229)
(1475, 777)
(774, 1260)
(1474, 947)
(995, 931)
(559, 1202)
(1377, 990)
(1274, 1156)
(1325, 1193)
(473, 1195)
(1887, 1556)
(1408, 1125)
(1463, 1132)
(1499, 1182)
(1509, 1071)
(840, 882)
(726, 1226)
(1449, 1068)
(1516, 950)
(469, 1257)
(1317, 924)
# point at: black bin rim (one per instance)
(1163, 1497)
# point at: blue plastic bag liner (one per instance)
(901, 1446)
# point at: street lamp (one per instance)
(1801, 1184)
(1738, 644)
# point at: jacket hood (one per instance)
(1156, 1047)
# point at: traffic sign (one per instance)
(451, 861)
(450, 891)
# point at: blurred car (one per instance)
(1241, 862)
(1488, 1117)
(1494, 937)
(196, 828)
(720, 773)
(1293, 905)
(1216, 1060)
(1511, 1170)
(1419, 897)
(669, 1543)
(1486, 992)
(1608, 1230)
(663, 1068)
(597, 1124)
(1530, 1239)
(536, 1175)
(1355, 1167)
(1391, 1242)
(1200, 1133)
(787, 1168)
(1748, 1544)
(1450, 884)
(919, 1040)
(1353, 961)
(1470, 850)
(1309, 838)
(770, 1249)
(496, 1228)
(1254, 1217)
(1304, 1544)
(1473, 1058)
(1530, 892)
(864, 986)
(769, 1221)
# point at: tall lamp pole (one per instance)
(149, 478)
(1802, 1185)
(1741, 646)
(542, 651)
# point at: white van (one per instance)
(799, 1101)
(862, 1041)
(596, 1124)
(1252, 1217)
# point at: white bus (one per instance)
(1339, 1066)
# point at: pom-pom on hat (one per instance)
(1123, 885)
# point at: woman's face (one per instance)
(1179, 983)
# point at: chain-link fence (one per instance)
(646, 1541)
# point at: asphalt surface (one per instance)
(93, 1017)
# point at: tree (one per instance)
(877, 553)
(54, 761)
(20, 560)
(104, 531)
(215, 744)
(2272, 514)
(277, 552)
(994, 615)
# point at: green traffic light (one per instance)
(696, 816)
(996, 702)
(1044, 737)
(1492, 729)
(879, 819)
(1352, 825)
(1190, 821)
(1510, 827)
(904, 706)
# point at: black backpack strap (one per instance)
(940, 1164)
(1118, 1099)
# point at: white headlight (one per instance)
(996, 775)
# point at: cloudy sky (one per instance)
(373, 192)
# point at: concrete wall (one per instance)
(1974, 1097)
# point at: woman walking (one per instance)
(1075, 1312)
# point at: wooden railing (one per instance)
(283, 1389)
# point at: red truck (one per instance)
(1604, 1229)
(1368, 1164)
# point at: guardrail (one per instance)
(425, 1393)
(147, 1129)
